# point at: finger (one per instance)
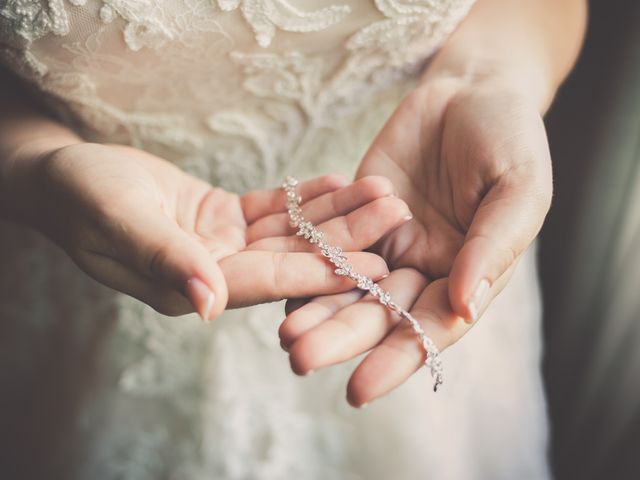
(355, 328)
(257, 277)
(400, 354)
(115, 275)
(324, 207)
(294, 304)
(506, 222)
(356, 231)
(260, 203)
(156, 248)
(314, 313)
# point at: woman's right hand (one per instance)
(140, 225)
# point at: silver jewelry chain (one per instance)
(334, 254)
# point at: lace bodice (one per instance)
(238, 92)
(230, 89)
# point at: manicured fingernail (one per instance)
(478, 299)
(364, 405)
(406, 218)
(309, 372)
(384, 276)
(201, 297)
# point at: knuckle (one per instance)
(350, 227)
(334, 181)
(504, 254)
(329, 276)
(414, 277)
(156, 261)
(285, 329)
(416, 96)
(297, 358)
(335, 204)
(381, 206)
(393, 206)
(278, 270)
(295, 243)
(376, 263)
(507, 255)
(376, 186)
(290, 330)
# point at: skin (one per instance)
(140, 225)
(467, 151)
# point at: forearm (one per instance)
(530, 44)
(26, 134)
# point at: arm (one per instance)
(25, 135)
(142, 226)
(528, 45)
(467, 150)
(514, 52)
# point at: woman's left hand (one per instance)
(471, 159)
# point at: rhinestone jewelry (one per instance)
(334, 254)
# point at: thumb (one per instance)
(504, 225)
(156, 247)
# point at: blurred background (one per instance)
(590, 255)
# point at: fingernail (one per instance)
(201, 297)
(384, 276)
(364, 405)
(309, 372)
(406, 218)
(478, 299)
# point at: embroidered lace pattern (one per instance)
(237, 92)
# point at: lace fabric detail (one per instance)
(232, 139)
(378, 54)
(32, 19)
(237, 92)
(265, 15)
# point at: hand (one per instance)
(473, 164)
(142, 226)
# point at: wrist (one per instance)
(471, 64)
(21, 179)
(528, 46)
(481, 71)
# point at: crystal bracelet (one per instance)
(334, 254)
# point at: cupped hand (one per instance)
(472, 162)
(142, 226)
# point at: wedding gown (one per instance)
(96, 385)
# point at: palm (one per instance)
(244, 232)
(473, 167)
(212, 216)
(142, 226)
(424, 180)
(436, 151)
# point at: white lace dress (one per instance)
(97, 386)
